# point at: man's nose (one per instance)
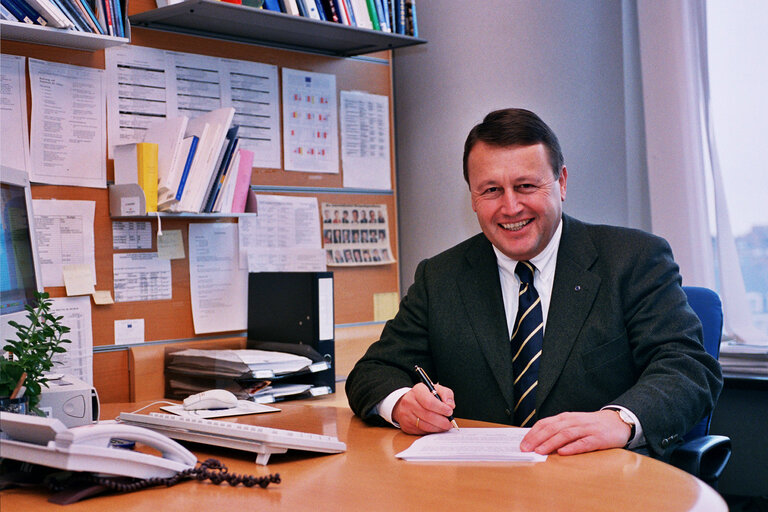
(510, 202)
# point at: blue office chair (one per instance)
(702, 455)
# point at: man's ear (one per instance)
(563, 181)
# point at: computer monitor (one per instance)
(19, 263)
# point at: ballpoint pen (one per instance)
(425, 379)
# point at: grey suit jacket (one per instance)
(619, 331)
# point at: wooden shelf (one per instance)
(240, 23)
(58, 37)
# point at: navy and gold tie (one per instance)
(526, 346)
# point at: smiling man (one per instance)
(579, 331)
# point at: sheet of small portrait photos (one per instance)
(356, 234)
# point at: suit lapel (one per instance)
(573, 293)
(478, 283)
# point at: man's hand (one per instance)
(570, 433)
(419, 404)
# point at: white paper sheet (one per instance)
(252, 90)
(365, 154)
(141, 276)
(14, 144)
(243, 407)
(69, 136)
(286, 260)
(64, 231)
(286, 222)
(138, 90)
(218, 287)
(310, 123)
(78, 359)
(472, 444)
(198, 83)
(131, 235)
(129, 332)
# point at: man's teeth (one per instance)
(516, 225)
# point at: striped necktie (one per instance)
(526, 346)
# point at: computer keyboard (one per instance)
(261, 440)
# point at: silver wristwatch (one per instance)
(626, 418)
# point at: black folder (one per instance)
(293, 312)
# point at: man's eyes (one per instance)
(523, 188)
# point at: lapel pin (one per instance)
(577, 288)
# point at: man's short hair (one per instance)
(514, 127)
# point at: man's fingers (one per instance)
(419, 412)
(572, 433)
(429, 402)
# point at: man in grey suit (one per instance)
(620, 361)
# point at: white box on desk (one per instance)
(70, 400)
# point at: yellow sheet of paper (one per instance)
(170, 245)
(385, 306)
(102, 297)
(78, 279)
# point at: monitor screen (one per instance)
(18, 264)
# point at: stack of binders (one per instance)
(264, 376)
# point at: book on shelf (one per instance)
(411, 24)
(223, 166)
(242, 181)
(400, 16)
(226, 184)
(211, 129)
(168, 134)
(341, 11)
(371, 5)
(136, 162)
(320, 10)
(51, 13)
(118, 17)
(312, 10)
(350, 13)
(7, 15)
(331, 14)
(303, 12)
(381, 12)
(78, 22)
(168, 202)
(15, 11)
(87, 13)
(107, 18)
(272, 5)
(234, 190)
(291, 7)
(29, 11)
(362, 16)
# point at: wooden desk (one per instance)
(368, 477)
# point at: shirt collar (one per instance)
(544, 261)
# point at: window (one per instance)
(737, 46)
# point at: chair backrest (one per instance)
(707, 306)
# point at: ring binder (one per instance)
(294, 309)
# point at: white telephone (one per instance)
(46, 441)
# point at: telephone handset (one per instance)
(46, 441)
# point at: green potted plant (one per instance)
(27, 357)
